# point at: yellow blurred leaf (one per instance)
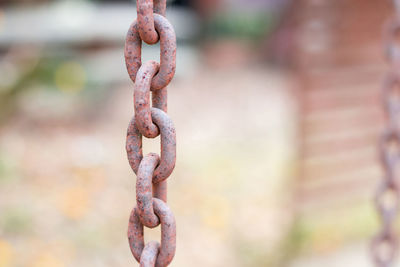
(6, 254)
(47, 260)
(91, 178)
(216, 212)
(70, 77)
(75, 202)
(327, 238)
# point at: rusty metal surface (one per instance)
(145, 18)
(159, 99)
(160, 7)
(149, 254)
(168, 145)
(144, 190)
(145, 21)
(151, 79)
(142, 99)
(168, 233)
(133, 50)
(387, 200)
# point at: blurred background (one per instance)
(277, 110)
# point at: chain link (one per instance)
(387, 199)
(152, 170)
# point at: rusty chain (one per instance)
(387, 199)
(149, 121)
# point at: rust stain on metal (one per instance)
(144, 190)
(142, 99)
(134, 148)
(168, 233)
(133, 50)
(152, 170)
(168, 145)
(160, 7)
(149, 254)
(145, 20)
(159, 99)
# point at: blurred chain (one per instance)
(387, 199)
(152, 170)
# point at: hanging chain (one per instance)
(152, 170)
(385, 243)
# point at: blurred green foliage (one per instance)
(250, 25)
(8, 169)
(65, 74)
(15, 220)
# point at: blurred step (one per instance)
(54, 24)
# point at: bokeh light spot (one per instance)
(74, 202)
(48, 260)
(6, 254)
(70, 77)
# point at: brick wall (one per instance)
(340, 65)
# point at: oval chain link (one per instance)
(387, 199)
(133, 51)
(152, 170)
(145, 18)
(141, 98)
